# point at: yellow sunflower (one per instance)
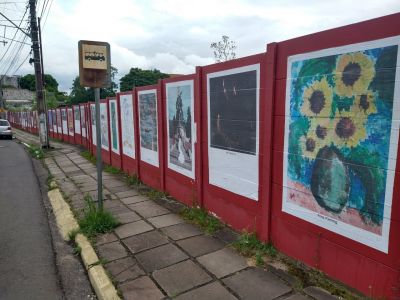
(317, 99)
(348, 129)
(310, 145)
(354, 72)
(365, 103)
(322, 129)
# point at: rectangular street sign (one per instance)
(94, 64)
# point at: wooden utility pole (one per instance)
(41, 106)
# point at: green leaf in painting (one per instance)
(368, 167)
(298, 128)
(385, 73)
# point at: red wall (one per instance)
(148, 173)
(373, 272)
(177, 184)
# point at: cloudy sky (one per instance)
(173, 36)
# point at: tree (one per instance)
(224, 50)
(53, 96)
(138, 77)
(80, 94)
(29, 82)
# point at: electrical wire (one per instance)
(9, 46)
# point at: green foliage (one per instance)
(385, 80)
(96, 221)
(368, 167)
(111, 169)
(154, 194)
(77, 250)
(132, 180)
(138, 77)
(53, 96)
(86, 154)
(80, 94)
(72, 234)
(249, 245)
(200, 217)
(29, 82)
(36, 151)
(298, 128)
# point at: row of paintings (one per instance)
(340, 139)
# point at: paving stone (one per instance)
(145, 241)
(86, 166)
(211, 291)
(227, 235)
(297, 297)
(124, 269)
(70, 174)
(120, 189)
(106, 238)
(165, 220)
(149, 209)
(181, 277)
(142, 288)
(111, 183)
(181, 231)
(127, 217)
(88, 188)
(319, 293)
(223, 262)
(111, 203)
(70, 169)
(112, 251)
(134, 228)
(200, 245)
(127, 193)
(134, 199)
(257, 284)
(117, 210)
(160, 257)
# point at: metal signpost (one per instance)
(95, 72)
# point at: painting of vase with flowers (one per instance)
(341, 138)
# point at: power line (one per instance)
(14, 34)
(48, 11)
(44, 7)
(29, 53)
(14, 40)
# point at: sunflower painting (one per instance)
(341, 139)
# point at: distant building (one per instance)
(11, 94)
(10, 81)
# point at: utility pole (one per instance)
(41, 107)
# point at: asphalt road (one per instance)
(27, 260)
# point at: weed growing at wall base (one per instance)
(200, 216)
(96, 221)
(36, 151)
(248, 245)
(86, 154)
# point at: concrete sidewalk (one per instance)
(155, 254)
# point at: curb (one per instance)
(66, 223)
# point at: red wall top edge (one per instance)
(147, 87)
(234, 63)
(373, 29)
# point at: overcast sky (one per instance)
(174, 36)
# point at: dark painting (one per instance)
(233, 112)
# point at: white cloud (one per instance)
(174, 36)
